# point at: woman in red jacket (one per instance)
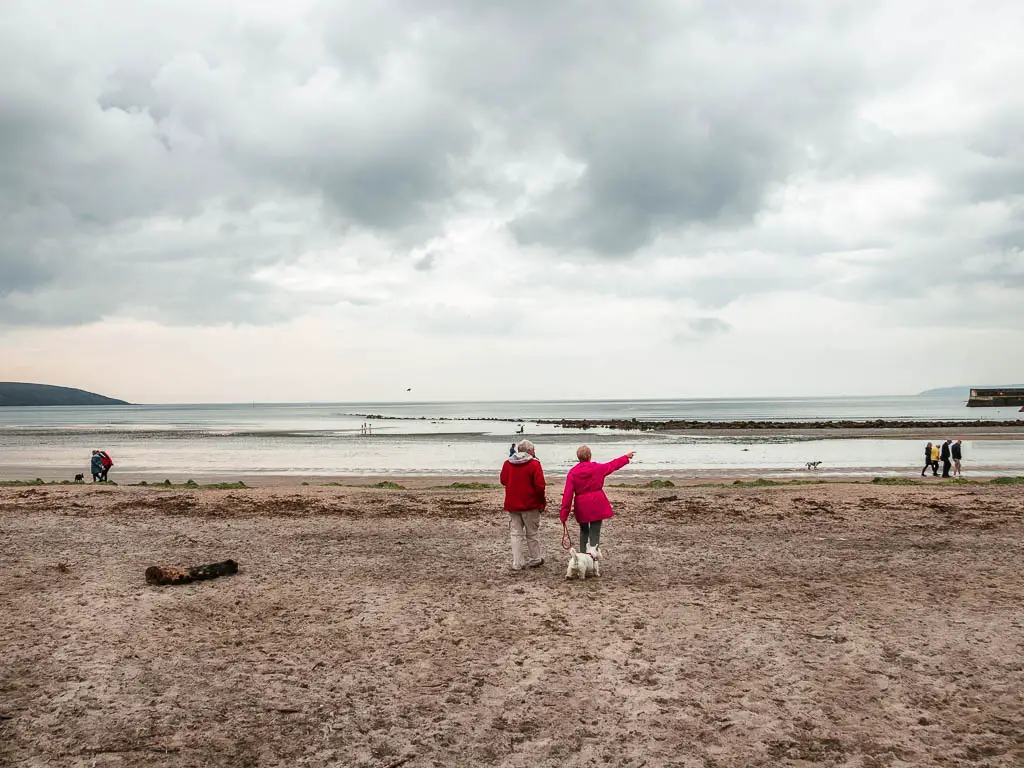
(523, 478)
(585, 483)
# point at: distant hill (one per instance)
(965, 392)
(19, 393)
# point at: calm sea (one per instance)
(468, 439)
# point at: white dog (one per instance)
(583, 563)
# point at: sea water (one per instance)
(473, 438)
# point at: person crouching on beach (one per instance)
(585, 486)
(523, 478)
(107, 463)
(96, 466)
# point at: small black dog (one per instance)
(79, 478)
(813, 464)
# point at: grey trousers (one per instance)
(590, 533)
(523, 527)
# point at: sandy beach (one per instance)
(288, 288)
(834, 624)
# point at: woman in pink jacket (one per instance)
(586, 483)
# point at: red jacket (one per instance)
(585, 485)
(524, 485)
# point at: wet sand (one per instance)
(836, 624)
(841, 475)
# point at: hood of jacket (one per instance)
(520, 457)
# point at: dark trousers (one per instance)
(927, 466)
(946, 464)
(590, 533)
(933, 465)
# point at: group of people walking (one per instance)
(949, 453)
(525, 498)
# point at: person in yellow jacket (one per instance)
(935, 459)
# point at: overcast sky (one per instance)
(210, 201)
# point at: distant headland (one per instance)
(15, 393)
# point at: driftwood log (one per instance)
(166, 574)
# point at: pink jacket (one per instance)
(586, 482)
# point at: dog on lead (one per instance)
(583, 563)
(79, 478)
(813, 464)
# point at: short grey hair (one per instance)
(583, 453)
(525, 446)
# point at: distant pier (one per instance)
(996, 398)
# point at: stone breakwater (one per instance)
(676, 425)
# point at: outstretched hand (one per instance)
(630, 455)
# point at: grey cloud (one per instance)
(661, 146)
(17, 273)
(653, 175)
(163, 291)
(709, 325)
(710, 280)
(43, 308)
(941, 284)
(661, 151)
(426, 262)
(157, 173)
(88, 166)
(1012, 240)
(994, 177)
(696, 328)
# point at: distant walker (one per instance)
(99, 465)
